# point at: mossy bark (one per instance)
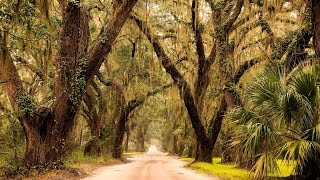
(47, 130)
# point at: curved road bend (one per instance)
(150, 166)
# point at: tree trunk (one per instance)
(316, 25)
(124, 113)
(174, 144)
(227, 155)
(181, 148)
(141, 145)
(204, 153)
(42, 146)
(41, 153)
(46, 135)
(117, 145)
(94, 118)
(126, 144)
(193, 102)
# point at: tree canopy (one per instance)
(237, 79)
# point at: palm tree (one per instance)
(280, 119)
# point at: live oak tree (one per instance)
(46, 128)
(219, 54)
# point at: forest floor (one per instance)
(70, 172)
(231, 171)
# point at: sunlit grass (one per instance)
(230, 171)
(223, 171)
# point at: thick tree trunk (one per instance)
(117, 145)
(40, 149)
(316, 25)
(39, 152)
(204, 153)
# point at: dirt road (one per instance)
(150, 166)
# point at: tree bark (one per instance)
(126, 144)
(316, 25)
(47, 130)
(94, 112)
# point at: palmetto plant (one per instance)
(280, 120)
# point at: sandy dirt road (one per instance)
(150, 166)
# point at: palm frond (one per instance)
(295, 108)
(242, 115)
(265, 88)
(258, 138)
(266, 164)
(313, 134)
(306, 85)
(302, 151)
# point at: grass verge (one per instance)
(231, 172)
(77, 157)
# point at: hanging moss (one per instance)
(218, 5)
(219, 31)
(265, 27)
(281, 48)
(232, 87)
(27, 14)
(40, 73)
(26, 104)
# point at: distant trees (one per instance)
(125, 110)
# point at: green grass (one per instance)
(223, 171)
(77, 157)
(229, 171)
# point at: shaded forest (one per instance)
(236, 79)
